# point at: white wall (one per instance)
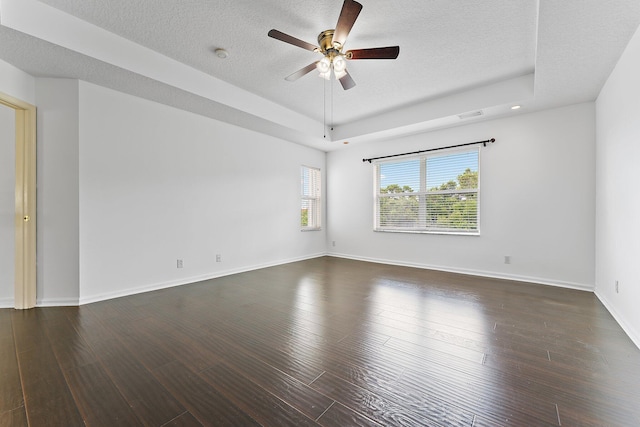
(537, 201)
(617, 202)
(17, 83)
(127, 186)
(7, 205)
(158, 184)
(57, 197)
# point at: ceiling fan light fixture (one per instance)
(339, 64)
(324, 65)
(330, 45)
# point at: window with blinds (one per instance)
(436, 193)
(310, 184)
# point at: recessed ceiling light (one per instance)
(516, 107)
(221, 53)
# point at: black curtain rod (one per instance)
(492, 140)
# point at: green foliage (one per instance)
(468, 179)
(457, 211)
(452, 211)
(399, 211)
(304, 217)
(451, 185)
(395, 188)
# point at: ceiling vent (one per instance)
(470, 114)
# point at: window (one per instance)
(310, 198)
(435, 193)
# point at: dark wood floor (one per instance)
(328, 342)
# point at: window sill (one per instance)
(311, 229)
(449, 233)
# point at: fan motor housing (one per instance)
(325, 40)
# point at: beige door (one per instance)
(25, 202)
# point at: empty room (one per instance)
(338, 213)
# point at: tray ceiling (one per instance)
(455, 57)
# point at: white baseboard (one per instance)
(57, 302)
(51, 302)
(490, 274)
(632, 332)
(188, 280)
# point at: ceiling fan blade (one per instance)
(295, 76)
(348, 15)
(347, 81)
(390, 52)
(279, 35)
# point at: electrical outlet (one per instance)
(179, 264)
(507, 259)
(218, 258)
(617, 287)
(333, 243)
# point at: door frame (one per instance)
(25, 205)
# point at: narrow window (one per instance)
(435, 193)
(310, 184)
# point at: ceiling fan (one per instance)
(331, 44)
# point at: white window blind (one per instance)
(437, 192)
(310, 184)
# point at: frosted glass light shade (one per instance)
(339, 64)
(324, 65)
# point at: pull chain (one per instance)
(324, 109)
(331, 82)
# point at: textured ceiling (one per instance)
(455, 57)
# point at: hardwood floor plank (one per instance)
(388, 411)
(594, 416)
(171, 342)
(93, 331)
(339, 415)
(288, 389)
(28, 329)
(14, 418)
(99, 401)
(359, 371)
(6, 323)
(71, 349)
(183, 420)
(207, 404)
(38, 365)
(150, 351)
(49, 402)
(561, 385)
(507, 421)
(147, 397)
(428, 350)
(10, 385)
(488, 397)
(260, 404)
(303, 370)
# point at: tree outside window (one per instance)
(436, 193)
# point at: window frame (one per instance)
(423, 192)
(314, 200)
